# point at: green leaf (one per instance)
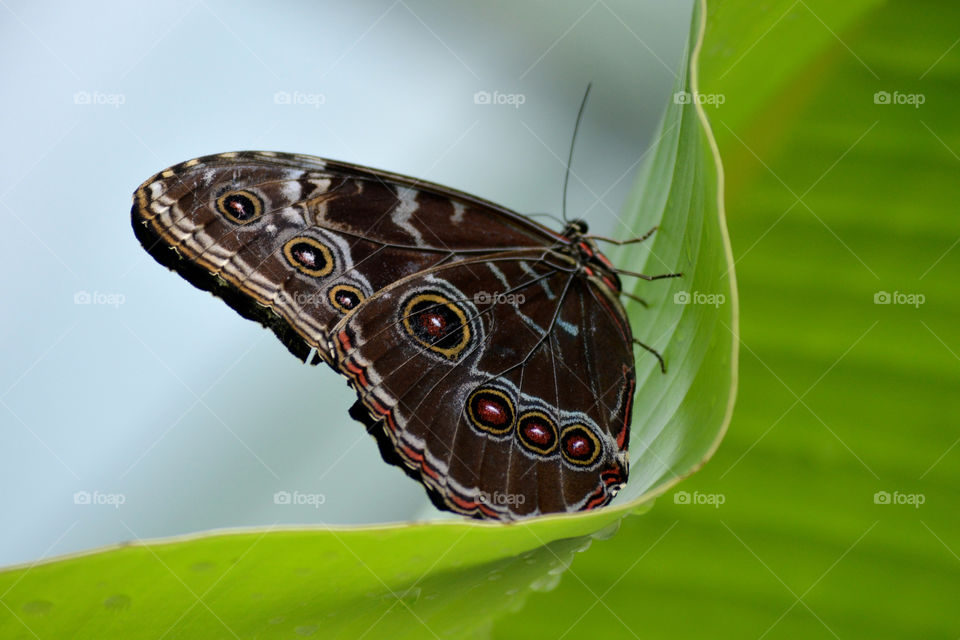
(680, 418)
(450, 578)
(840, 398)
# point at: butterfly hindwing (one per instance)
(478, 376)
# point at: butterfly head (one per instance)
(584, 249)
(575, 229)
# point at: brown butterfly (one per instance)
(491, 356)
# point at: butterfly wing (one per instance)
(296, 242)
(500, 426)
(502, 383)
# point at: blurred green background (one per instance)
(833, 197)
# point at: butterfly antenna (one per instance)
(566, 175)
(544, 215)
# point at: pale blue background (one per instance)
(169, 399)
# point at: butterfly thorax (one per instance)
(589, 258)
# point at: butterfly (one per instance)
(491, 356)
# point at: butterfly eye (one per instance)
(434, 321)
(491, 410)
(579, 445)
(345, 297)
(537, 432)
(240, 207)
(309, 255)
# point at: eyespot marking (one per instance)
(491, 410)
(240, 207)
(537, 433)
(309, 256)
(436, 322)
(345, 297)
(579, 445)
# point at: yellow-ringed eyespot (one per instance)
(309, 255)
(537, 432)
(579, 445)
(240, 207)
(437, 323)
(345, 297)
(491, 410)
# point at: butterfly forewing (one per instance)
(232, 219)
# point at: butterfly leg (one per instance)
(620, 243)
(624, 272)
(661, 276)
(642, 302)
(663, 366)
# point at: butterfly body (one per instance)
(491, 356)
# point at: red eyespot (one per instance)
(537, 433)
(580, 446)
(437, 323)
(433, 323)
(491, 410)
